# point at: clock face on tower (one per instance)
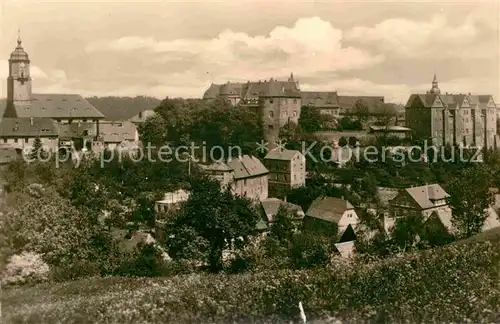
(22, 66)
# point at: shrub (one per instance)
(25, 268)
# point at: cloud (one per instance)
(310, 45)
(433, 38)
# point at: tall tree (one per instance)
(361, 110)
(310, 119)
(37, 150)
(212, 216)
(470, 197)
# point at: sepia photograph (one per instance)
(249, 161)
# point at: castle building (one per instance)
(277, 102)
(21, 103)
(456, 119)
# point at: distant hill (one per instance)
(123, 107)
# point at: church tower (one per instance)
(19, 80)
(435, 87)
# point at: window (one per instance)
(286, 113)
(466, 131)
(271, 113)
(270, 127)
(5, 140)
(84, 120)
(140, 114)
(271, 101)
(294, 101)
(15, 140)
(295, 113)
(26, 140)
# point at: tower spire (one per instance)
(435, 86)
(19, 37)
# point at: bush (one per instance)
(25, 268)
(453, 284)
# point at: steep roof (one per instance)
(59, 106)
(217, 166)
(348, 102)
(325, 99)
(250, 90)
(28, 127)
(450, 100)
(272, 205)
(124, 108)
(425, 195)
(247, 166)
(329, 209)
(284, 155)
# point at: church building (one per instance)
(22, 107)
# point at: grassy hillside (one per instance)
(453, 284)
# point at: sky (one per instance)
(177, 49)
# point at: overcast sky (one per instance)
(165, 48)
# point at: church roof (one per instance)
(59, 106)
(450, 100)
(125, 108)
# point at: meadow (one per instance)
(456, 283)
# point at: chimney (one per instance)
(31, 121)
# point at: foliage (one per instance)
(348, 123)
(416, 288)
(470, 196)
(24, 268)
(310, 119)
(214, 217)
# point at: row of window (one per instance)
(285, 113)
(272, 101)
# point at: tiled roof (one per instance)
(249, 90)
(451, 100)
(57, 106)
(325, 99)
(424, 195)
(7, 155)
(247, 166)
(329, 209)
(124, 108)
(272, 205)
(28, 127)
(284, 155)
(117, 132)
(348, 102)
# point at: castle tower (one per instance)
(435, 87)
(19, 79)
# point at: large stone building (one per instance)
(277, 102)
(462, 119)
(30, 109)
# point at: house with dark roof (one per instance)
(246, 175)
(278, 102)
(134, 110)
(20, 133)
(461, 119)
(333, 210)
(422, 200)
(287, 169)
(326, 101)
(22, 104)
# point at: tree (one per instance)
(361, 110)
(384, 114)
(310, 119)
(470, 197)
(213, 217)
(352, 141)
(343, 141)
(37, 150)
(153, 131)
